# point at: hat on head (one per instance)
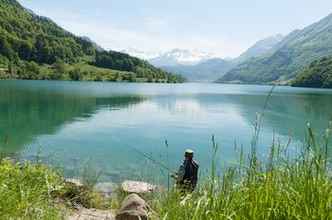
(189, 152)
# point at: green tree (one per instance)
(5, 48)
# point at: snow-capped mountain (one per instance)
(171, 58)
(141, 54)
(180, 57)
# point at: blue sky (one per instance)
(222, 27)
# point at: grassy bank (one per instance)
(34, 191)
(25, 191)
(284, 186)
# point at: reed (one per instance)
(282, 186)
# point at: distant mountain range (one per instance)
(180, 57)
(277, 59)
(205, 71)
(171, 58)
(291, 56)
(202, 66)
(140, 54)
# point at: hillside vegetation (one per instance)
(34, 47)
(318, 74)
(288, 57)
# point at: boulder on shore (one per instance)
(138, 187)
(73, 181)
(133, 208)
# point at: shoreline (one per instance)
(276, 184)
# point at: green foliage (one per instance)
(25, 191)
(28, 40)
(34, 38)
(34, 191)
(142, 69)
(293, 53)
(318, 74)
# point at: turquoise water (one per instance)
(95, 124)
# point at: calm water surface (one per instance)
(78, 124)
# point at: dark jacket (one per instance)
(188, 173)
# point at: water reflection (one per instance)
(28, 113)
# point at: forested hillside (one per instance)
(318, 74)
(34, 47)
(287, 58)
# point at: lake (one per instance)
(101, 125)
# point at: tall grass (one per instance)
(283, 187)
(26, 191)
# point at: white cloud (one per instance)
(115, 38)
(154, 35)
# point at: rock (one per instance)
(75, 182)
(138, 187)
(133, 208)
(9, 159)
(91, 214)
(106, 189)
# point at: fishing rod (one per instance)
(156, 162)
